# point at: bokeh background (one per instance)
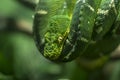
(20, 59)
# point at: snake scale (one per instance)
(63, 29)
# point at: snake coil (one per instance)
(61, 38)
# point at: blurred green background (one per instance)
(20, 59)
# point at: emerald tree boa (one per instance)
(63, 29)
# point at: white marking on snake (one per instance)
(42, 12)
(68, 55)
(88, 22)
(84, 1)
(80, 0)
(113, 5)
(91, 8)
(105, 12)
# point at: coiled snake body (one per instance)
(61, 38)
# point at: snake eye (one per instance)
(60, 39)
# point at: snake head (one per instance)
(55, 36)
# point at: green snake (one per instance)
(63, 29)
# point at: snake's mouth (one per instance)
(52, 48)
(52, 51)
